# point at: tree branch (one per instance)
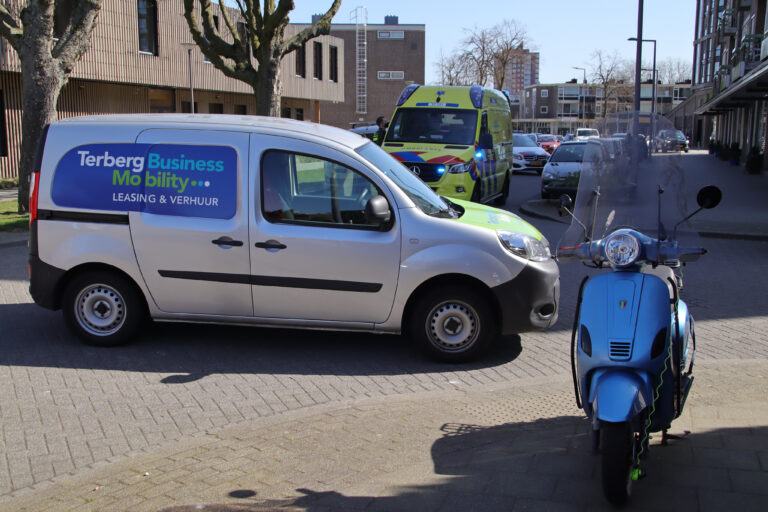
(9, 28)
(320, 27)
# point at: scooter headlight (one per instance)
(621, 249)
(525, 246)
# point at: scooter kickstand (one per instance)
(665, 436)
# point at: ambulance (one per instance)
(458, 140)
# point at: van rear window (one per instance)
(166, 179)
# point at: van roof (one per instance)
(452, 96)
(224, 121)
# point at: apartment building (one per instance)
(141, 59)
(521, 71)
(730, 74)
(562, 107)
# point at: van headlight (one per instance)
(460, 168)
(621, 249)
(525, 246)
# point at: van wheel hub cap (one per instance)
(100, 310)
(453, 326)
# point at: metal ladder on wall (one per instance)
(359, 17)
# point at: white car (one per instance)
(527, 154)
(586, 134)
(561, 174)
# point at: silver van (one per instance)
(272, 222)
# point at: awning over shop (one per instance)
(751, 87)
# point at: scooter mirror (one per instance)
(566, 203)
(709, 197)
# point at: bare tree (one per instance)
(455, 69)
(508, 38)
(478, 48)
(672, 70)
(609, 72)
(264, 32)
(49, 37)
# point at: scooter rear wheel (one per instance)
(617, 441)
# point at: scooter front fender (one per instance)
(619, 395)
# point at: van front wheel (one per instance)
(452, 324)
(103, 308)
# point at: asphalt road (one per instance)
(66, 407)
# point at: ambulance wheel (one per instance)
(452, 324)
(103, 308)
(475, 198)
(502, 199)
(617, 442)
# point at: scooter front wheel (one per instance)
(617, 442)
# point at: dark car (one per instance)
(670, 140)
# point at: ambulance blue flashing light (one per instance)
(479, 154)
(410, 89)
(441, 169)
(476, 95)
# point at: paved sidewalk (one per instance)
(743, 212)
(8, 194)
(521, 447)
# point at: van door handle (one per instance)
(271, 244)
(225, 240)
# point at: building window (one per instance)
(391, 34)
(544, 110)
(285, 112)
(241, 110)
(185, 107)
(148, 26)
(391, 75)
(161, 100)
(545, 93)
(334, 58)
(301, 61)
(299, 114)
(215, 108)
(318, 56)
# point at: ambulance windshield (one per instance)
(433, 125)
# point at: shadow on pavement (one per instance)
(193, 351)
(548, 465)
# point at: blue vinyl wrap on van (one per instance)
(167, 179)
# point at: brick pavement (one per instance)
(513, 446)
(70, 412)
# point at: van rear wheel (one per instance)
(452, 324)
(103, 308)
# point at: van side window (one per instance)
(304, 189)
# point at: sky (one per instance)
(564, 32)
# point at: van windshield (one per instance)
(433, 125)
(418, 191)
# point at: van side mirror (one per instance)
(377, 211)
(486, 141)
(566, 205)
(709, 197)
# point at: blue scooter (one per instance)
(633, 340)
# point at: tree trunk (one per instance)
(268, 87)
(41, 83)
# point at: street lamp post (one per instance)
(584, 110)
(653, 89)
(189, 47)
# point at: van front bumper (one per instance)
(530, 301)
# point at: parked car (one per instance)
(527, 155)
(560, 138)
(366, 131)
(561, 173)
(563, 170)
(547, 142)
(670, 140)
(586, 133)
